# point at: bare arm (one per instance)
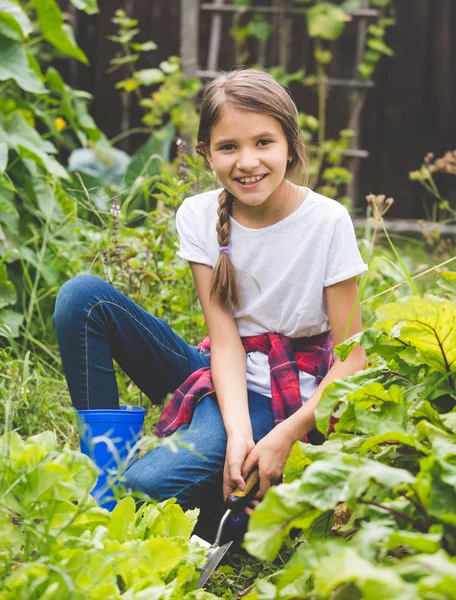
(272, 451)
(228, 366)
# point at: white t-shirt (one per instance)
(282, 270)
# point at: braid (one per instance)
(224, 285)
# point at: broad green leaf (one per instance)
(158, 555)
(427, 324)
(10, 323)
(55, 31)
(326, 20)
(438, 497)
(88, 6)
(122, 519)
(14, 64)
(29, 144)
(296, 463)
(14, 22)
(46, 440)
(374, 471)
(436, 574)
(419, 542)
(280, 511)
(326, 483)
(380, 46)
(390, 437)
(378, 410)
(347, 566)
(3, 157)
(449, 420)
(149, 76)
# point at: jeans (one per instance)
(95, 324)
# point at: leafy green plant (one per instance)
(374, 502)
(61, 545)
(39, 114)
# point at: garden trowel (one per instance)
(234, 503)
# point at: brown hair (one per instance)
(256, 91)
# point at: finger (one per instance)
(250, 462)
(265, 484)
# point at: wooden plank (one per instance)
(189, 34)
(214, 42)
(370, 13)
(347, 83)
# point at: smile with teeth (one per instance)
(251, 179)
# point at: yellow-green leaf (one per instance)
(427, 324)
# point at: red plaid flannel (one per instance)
(286, 356)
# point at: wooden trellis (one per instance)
(283, 11)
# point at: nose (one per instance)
(247, 160)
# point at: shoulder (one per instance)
(327, 209)
(200, 206)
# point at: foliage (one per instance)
(62, 545)
(36, 107)
(173, 96)
(375, 502)
(441, 210)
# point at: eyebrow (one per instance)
(266, 134)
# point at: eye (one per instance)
(265, 142)
(227, 147)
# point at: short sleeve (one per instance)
(344, 259)
(191, 246)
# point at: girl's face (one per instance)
(249, 153)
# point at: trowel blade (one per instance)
(216, 553)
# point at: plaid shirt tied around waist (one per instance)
(286, 356)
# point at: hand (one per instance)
(237, 449)
(270, 454)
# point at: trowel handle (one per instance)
(238, 499)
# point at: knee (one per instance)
(74, 295)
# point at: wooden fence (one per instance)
(410, 112)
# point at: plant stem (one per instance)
(398, 285)
(397, 514)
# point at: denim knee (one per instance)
(74, 295)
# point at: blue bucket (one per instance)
(109, 437)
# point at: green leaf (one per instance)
(14, 22)
(3, 157)
(347, 566)
(419, 542)
(122, 520)
(447, 281)
(146, 161)
(259, 28)
(8, 294)
(149, 76)
(14, 64)
(426, 324)
(380, 46)
(55, 31)
(29, 144)
(296, 463)
(10, 322)
(281, 510)
(326, 20)
(88, 6)
(390, 437)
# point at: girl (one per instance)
(274, 265)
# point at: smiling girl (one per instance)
(274, 265)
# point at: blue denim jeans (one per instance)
(95, 324)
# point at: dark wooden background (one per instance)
(410, 112)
